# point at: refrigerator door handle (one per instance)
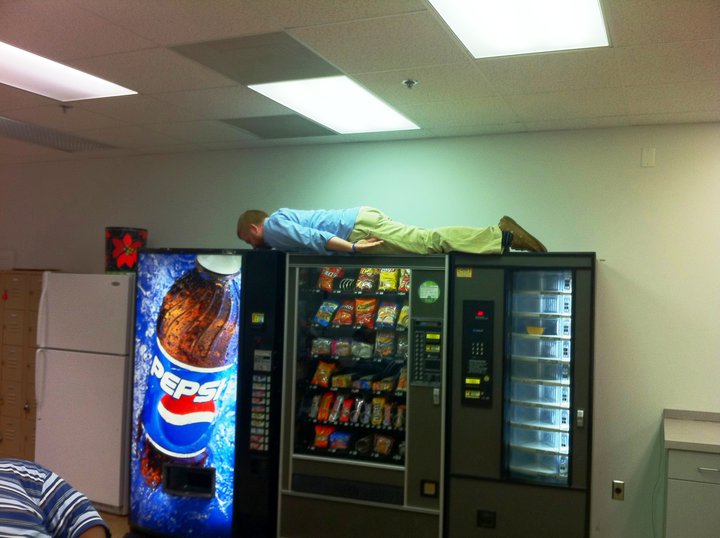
(40, 367)
(42, 312)
(580, 418)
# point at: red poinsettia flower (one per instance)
(125, 250)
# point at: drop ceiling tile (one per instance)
(481, 111)
(153, 71)
(219, 103)
(176, 22)
(475, 130)
(20, 149)
(552, 72)
(669, 63)
(137, 109)
(201, 132)
(292, 14)
(59, 30)
(285, 126)
(131, 137)
(679, 117)
(662, 21)
(259, 58)
(68, 119)
(673, 98)
(12, 98)
(439, 83)
(578, 123)
(567, 105)
(403, 41)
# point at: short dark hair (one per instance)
(251, 216)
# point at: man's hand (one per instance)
(363, 245)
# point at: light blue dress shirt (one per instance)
(308, 231)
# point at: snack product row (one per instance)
(351, 410)
(327, 376)
(387, 344)
(378, 445)
(368, 280)
(362, 312)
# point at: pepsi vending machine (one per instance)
(208, 337)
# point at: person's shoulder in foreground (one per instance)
(34, 501)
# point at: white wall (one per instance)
(655, 230)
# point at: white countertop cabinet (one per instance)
(692, 440)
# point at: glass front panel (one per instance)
(351, 363)
(538, 388)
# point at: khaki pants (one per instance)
(402, 238)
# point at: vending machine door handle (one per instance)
(580, 418)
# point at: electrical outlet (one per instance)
(618, 490)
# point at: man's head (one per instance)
(250, 227)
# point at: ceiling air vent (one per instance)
(42, 136)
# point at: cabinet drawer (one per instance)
(13, 365)
(694, 466)
(14, 330)
(14, 290)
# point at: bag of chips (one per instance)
(325, 312)
(367, 279)
(388, 279)
(385, 344)
(326, 280)
(403, 320)
(404, 285)
(322, 373)
(321, 346)
(383, 444)
(345, 315)
(321, 436)
(387, 315)
(365, 312)
(339, 440)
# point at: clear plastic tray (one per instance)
(539, 466)
(542, 303)
(534, 347)
(543, 440)
(556, 372)
(558, 281)
(538, 393)
(542, 327)
(539, 417)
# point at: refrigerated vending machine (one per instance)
(362, 420)
(205, 420)
(519, 414)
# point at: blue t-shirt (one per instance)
(298, 230)
(36, 502)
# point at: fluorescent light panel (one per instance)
(337, 103)
(33, 73)
(507, 27)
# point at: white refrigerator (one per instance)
(83, 383)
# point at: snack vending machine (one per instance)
(363, 406)
(207, 388)
(519, 413)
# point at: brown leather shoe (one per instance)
(521, 239)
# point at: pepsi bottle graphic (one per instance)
(196, 349)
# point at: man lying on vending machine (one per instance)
(369, 230)
(34, 501)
